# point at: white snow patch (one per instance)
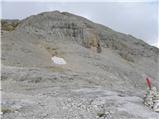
(58, 60)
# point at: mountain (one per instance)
(105, 70)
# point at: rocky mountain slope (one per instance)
(105, 84)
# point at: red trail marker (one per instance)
(148, 83)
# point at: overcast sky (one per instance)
(139, 19)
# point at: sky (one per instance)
(138, 17)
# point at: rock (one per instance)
(151, 99)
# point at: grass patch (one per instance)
(6, 110)
(9, 25)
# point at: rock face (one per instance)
(98, 58)
(56, 25)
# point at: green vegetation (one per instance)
(9, 25)
(6, 110)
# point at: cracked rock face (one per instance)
(56, 25)
(104, 76)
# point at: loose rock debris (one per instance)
(151, 99)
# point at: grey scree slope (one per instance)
(109, 84)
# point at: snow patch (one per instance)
(58, 60)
